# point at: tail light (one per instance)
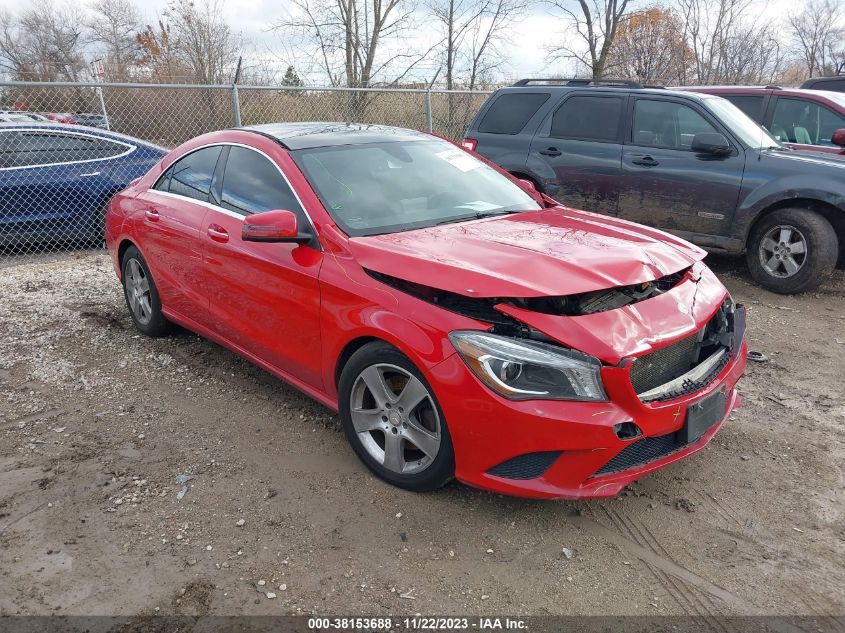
(470, 144)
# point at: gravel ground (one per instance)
(97, 421)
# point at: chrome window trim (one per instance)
(215, 207)
(131, 148)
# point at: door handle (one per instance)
(645, 161)
(89, 175)
(218, 233)
(551, 151)
(152, 215)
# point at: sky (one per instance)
(254, 18)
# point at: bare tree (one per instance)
(595, 23)
(472, 31)
(43, 43)
(354, 43)
(114, 25)
(204, 40)
(818, 31)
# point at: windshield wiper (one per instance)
(478, 215)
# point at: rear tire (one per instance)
(392, 419)
(141, 295)
(792, 250)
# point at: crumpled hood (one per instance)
(552, 252)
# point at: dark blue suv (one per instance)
(691, 164)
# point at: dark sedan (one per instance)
(55, 180)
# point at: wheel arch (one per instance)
(349, 349)
(830, 212)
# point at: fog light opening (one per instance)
(627, 431)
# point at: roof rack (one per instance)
(574, 81)
(773, 87)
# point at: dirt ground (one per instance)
(97, 421)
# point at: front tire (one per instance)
(141, 295)
(792, 250)
(393, 421)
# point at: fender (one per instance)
(824, 182)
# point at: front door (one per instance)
(666, 184)
(263, 297)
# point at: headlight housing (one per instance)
(522, 369)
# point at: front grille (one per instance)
(665, 364)
(641, 452)
(723, 332)
(528, 466)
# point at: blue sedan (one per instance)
(55, 180)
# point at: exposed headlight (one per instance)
(522, 369)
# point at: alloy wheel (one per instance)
(395, 418)
(138, 292)
(783, 251)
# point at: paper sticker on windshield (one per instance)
(459, 159)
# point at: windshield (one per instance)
(753, 135)
(398, 186)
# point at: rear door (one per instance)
(505, 127)
(578, 151)
(667, 185)
(174, 210)
(263, 297)
(52, 185)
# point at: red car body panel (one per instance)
(255, 298)
(571, 252)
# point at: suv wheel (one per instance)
(792, 250)
(392, 419)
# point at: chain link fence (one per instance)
(55, 184)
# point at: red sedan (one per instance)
(461, 323)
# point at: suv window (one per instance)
(804, 122)
(667, 124)
(33, 149)
(752, 105)
(251, 184)
(511, 111)
(583, 117)
(191, 176)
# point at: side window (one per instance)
(751, 105)
(251, 184)
(593, 118)
(511, 111)
(667, 124)
(191, 176)
(31, 149)
(805, 122)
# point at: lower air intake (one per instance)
(528, 466)
(641, 452)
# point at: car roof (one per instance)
(800, 92)
(77, 129)
(306, 135)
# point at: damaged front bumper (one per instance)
(572, 450)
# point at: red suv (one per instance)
(800, 118)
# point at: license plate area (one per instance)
(702, 415)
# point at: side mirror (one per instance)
(529, 186)
(272, 226)
(838, 137)
(711, 143)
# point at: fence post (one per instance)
(236, 106)
(428, 112)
